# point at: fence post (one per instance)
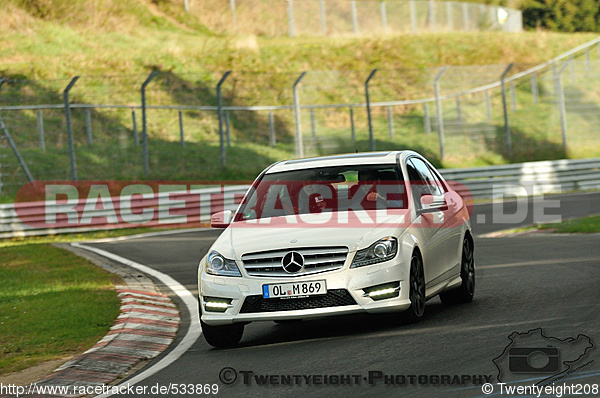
(413, 15)
(88, 127)
(488, 106)
(426, 118)
(438, 107)
(40, 124)
(535, 89)
(181, 132)
(70, 128)
(323, 17)
(513, 96)
(505, 110)
(272, 140)
(588, 61)
(227, 129)
(383, 9)
(449, 15)
(232, 7)
(144, 126)
(291, 18)
(561, 102)
(134, 125)
(371, 138)
(299, 141)
(313, 127)
(431, 15)
(352, 130)
(220, 114)
(186, 5)
(465, 10)
(458, 111)
(390, 116)
(572, 69)
(354, 16)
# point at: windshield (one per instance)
(325, 189)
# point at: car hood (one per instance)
(241, 238)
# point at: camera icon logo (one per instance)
(538, 360)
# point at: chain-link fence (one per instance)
(352, 17)
(187, 128)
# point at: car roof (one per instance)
(388, 157)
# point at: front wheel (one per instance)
(223, 336)
(466, 290)
(417, 290)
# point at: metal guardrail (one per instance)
(482, 182)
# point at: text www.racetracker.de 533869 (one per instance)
(125, 389)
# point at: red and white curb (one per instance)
(146, 327)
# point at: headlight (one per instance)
(219, 265)
(383, 250)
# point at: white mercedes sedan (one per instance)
(366, 232)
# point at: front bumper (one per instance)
(354, 281)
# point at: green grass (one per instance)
(579, 225)
(52, 304)
(113, 45)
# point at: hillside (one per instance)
(114, 45)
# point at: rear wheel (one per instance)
(223, 336)
(466, 290)
(417, 290)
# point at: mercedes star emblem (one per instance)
(292, 262)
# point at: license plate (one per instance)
(295, 289)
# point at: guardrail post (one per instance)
(181, 132)
(70, 128)
(413, 15)
(505, 110)
(40, 125)
(88, 127)
(323, 17)
(439, 111)
(15, 150)
(144, 126)
(291, 18)
(136, 139)
(352, 130)
(561, 102)
(299, 140)
(488, 106)
(383, 10)
(371, 138)
(220, 114)
(535, 89)
(390, 115)
(354, 17)
(272, 140)
(426, 118)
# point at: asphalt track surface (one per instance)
(547, 281)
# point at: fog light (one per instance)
(381, 292)
(216, 304)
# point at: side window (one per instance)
(433, 184)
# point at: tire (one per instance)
(417, 290)
(465, 292)
(223, 336)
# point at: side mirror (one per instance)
(432, 204)
(221, 219)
